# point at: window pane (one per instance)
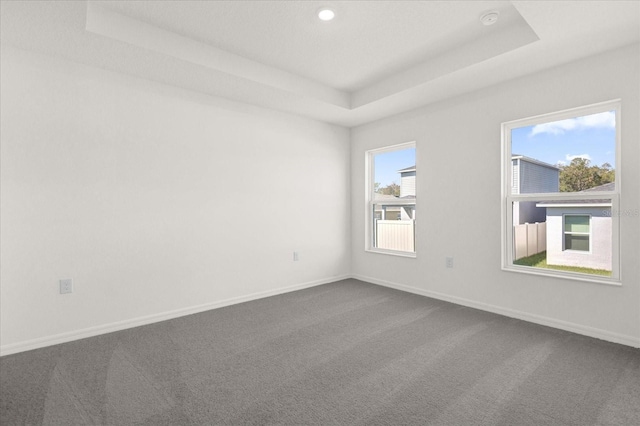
(571, 155)
(393, 200)
(576, 242)
(576, 223)
(557, 170)
(395, 173)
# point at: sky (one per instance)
(386, 165)
(591, 136)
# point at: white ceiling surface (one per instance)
(377, 58)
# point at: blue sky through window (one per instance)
(387, 164)
(591, 136)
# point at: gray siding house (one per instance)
(408, 182)
(531, 176)
(408, 190)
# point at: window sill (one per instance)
(564, 275)
(392, 253)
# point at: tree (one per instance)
(607, 173)
(391, 189)
(580, 175)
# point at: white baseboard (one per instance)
(512, 313)
(163, 316)
(150, 319)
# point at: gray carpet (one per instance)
(338, 354)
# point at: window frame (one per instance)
(565, 232)
(508, 198)
(371, 202)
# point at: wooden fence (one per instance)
(529, 239)
(396, 235)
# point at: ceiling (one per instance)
(375, 59)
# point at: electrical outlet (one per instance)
(66, 286)
(449, 262)
(296, 257)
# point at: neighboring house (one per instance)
(606, 187)
(407, 182)
(579, 232)
(531, 176)
(385, 212)
(407, 191)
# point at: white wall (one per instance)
(156, 201)
(126, 186)
(458, 183)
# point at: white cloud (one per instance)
(603, 119)
(571, 157)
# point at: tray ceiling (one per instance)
(375, 59)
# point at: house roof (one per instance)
(384, 197)
(387, 198)
(533, 161)
(582, 203)
(611, 186)
(408, 169)
(574, 203)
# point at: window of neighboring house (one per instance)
(560, 185)
(391, 200)
(576, 232)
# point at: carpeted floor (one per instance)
(337, 354)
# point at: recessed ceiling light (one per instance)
(326, 14)
(490, 17)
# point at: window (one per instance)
(560, 185)
(391, 200)
(576, 232)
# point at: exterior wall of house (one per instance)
(389, 213)
(599, 256)
(529, 178)
(537, 178)
(527, 212)
(407, 184)
(515, 174)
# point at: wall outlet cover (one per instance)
(66, 286)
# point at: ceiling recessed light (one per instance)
(490, 17)
(326, 14)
